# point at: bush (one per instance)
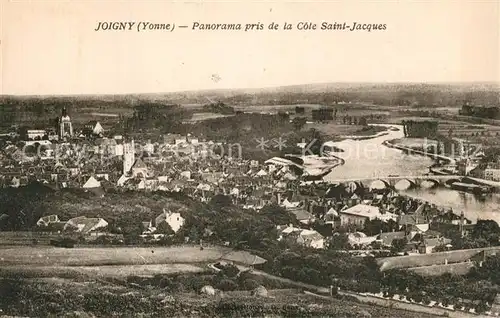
(165, 282)
(227, 285)
(250, 284)
(230, 270)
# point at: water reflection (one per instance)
(370, 158)
(474, 207)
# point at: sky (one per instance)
(51, 47)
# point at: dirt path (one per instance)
(389, 303)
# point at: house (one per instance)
(386, 238)
(181, 141)
(108, 147)
(102, 176)
(360, 239)
(332, 217)
(15, 182)
(492, 172)
(495, 307)
(93, 127)
(51, 223)
(174, 220)
(451, 218)
(139, 169)
(91, 183)
(148, 227)
(414, 223)
(288, 176)
(289, 205)
(186, 174)
(359, 214)
(261, 173)
(411, 219)
(428, 244)
(302, 215)
(47, 220)
(212, 177)
(122, 180)
(311, 238)
(288, 229)
(36, 134)
(85, 225)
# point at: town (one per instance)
(95, 185)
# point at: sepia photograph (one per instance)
(250, 159)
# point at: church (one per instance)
(64, 126)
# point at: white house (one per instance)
(91, 183)
(36, 133)
(85, 225)
(175, 220)
(48, 219)
(359, 214)
(311, 238)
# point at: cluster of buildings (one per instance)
(417, 224)
(62, 130)
(187, 164)
(190, 165)
(475, 167)
(165, 223)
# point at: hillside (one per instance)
(125, 212)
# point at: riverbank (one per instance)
(393, 144)
(317, 165)
(380, 134)
(321, 165)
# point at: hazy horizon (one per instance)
(257, 89)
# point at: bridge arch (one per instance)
(452, 180)
(354, 186)
(379, 184)
(430, 183)
(405, 184)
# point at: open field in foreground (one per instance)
(66, 298)
(99, 256)
(109, 271)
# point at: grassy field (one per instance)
(335, 129)
(205, 116)
(67, 298)
(109, 271)
(51, 256)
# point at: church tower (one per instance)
(65, 126)
(128, 156)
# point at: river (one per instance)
(370, 158)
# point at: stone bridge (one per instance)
(400, 182)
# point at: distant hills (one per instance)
(302, 88)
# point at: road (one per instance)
(367, 299)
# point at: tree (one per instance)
(299, 122)
(439, 248)
(399, 244)
(278, 215)
(221, 200)
(230, 270)
(373, 227)
(488, 230)
(226, 285)
(339, 241)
